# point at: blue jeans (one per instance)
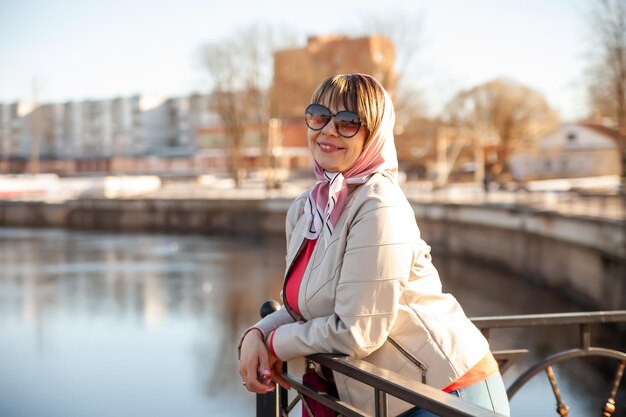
(489, 394)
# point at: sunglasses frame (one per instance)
(332, 115)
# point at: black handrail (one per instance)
(550, 319)
(385, 382)
(401, 387)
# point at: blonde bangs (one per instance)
(358, 93)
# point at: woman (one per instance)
(359, 279)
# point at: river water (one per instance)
(97, 324)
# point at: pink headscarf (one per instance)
(327, 198)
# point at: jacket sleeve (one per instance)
(273, 321)
(375, 268)
(267, 324)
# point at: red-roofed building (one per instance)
(298, 71)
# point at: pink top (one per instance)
(294, 279)
(292, 288)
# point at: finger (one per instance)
(248, 362)
(260, 384)
(247, 368)
(277, 375)
(264, 366)
(259, 387)
(255, 384)
(249, 377)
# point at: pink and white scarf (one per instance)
(327, 198)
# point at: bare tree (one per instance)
(607, 87)
(503, 113)
(240, 69)
(404, 30)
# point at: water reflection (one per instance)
(97, 324)
(131, 325)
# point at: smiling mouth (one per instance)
(326, 147)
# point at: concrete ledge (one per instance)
(605, 235)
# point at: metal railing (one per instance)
(584, 321)
(386, 383)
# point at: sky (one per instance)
(55, 51)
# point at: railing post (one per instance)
(270, 404)
(585, 336)
(380, 403)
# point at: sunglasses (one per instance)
(347, 123)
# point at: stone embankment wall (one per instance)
(582, 257)
(237, 216)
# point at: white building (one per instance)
(17, 128)
(96, 137)
(73, 128)
(122, 126)
(6, 128)
(50, 129)
(573, 150)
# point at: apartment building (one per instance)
(145, 132)
(93, 133)
(17, 126)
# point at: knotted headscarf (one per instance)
(327, 198)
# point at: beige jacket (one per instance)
(370, 292)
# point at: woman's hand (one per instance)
(259, 369)
(254, 366)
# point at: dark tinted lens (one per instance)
(348, 123)
(316, 116)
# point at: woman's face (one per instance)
(333, 152)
